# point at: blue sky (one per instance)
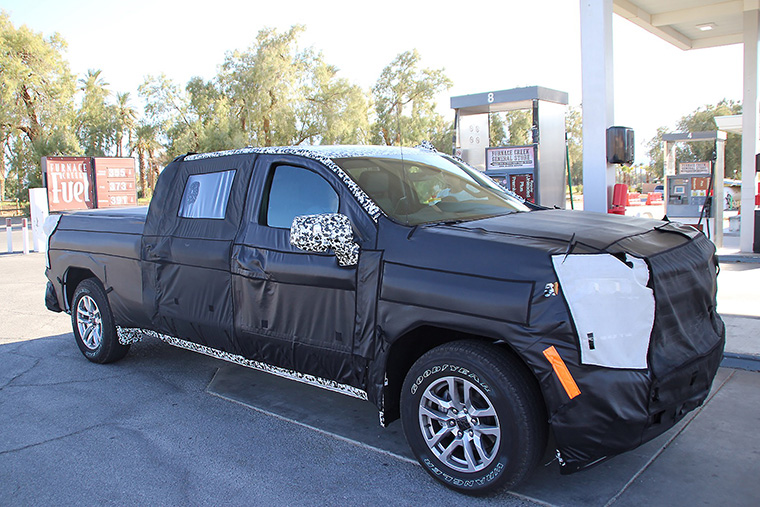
(484, 46)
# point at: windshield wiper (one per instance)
(453, 221)
(450, 221)
(431, 224)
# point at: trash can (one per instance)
(756, 242)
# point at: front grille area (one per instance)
(686, 326)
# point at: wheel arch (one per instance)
(71, 279)
(413, 344)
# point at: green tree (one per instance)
(652, 173)
(510, 128)
(262, 84)
(217, 126)
(333, 111)
(497, 129)
(167, 108)
(269, 94)
(5, 135)
(701, 119)
(279, 95)
(520, 124)
(574, 130)
(404, 97)
(195, 119)
(36, 104)
(656, 156)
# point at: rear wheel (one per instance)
(92, 321)
(473, 417)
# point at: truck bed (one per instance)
(121, 220)
(114, 232)
(88, 242)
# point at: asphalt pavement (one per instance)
(166, 426)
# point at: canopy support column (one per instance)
(750, 106)
(598, 103)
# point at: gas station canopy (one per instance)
(731, 123)
(506, 100)
(687, 24)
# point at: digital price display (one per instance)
(115, 182)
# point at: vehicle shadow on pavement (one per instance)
(325, 411)
(356, 421)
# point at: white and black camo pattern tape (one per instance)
(132, 335)
(361, 197)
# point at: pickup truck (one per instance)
(404, 277)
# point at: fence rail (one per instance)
(11, 209)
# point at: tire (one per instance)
(92, 321)
(489, 442)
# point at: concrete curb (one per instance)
(748, 362)
(749, 258)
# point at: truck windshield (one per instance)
(428, 188)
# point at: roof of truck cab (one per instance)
(320, 151)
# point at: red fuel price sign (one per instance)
(115, 182)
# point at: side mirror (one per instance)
(328, 231)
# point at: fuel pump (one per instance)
(688, 190)
(690, 187)
(535, 171)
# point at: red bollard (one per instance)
(619, 199)
(25, 234)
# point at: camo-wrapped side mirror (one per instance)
(324, 232)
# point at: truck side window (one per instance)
(206, 195)
(297, 191)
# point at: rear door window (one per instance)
(206, 195)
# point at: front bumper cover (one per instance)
(631, 409)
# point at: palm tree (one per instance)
(93, 84)
(146, 144)
(96, 122)
(126, 119)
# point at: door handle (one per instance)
(248, 262)
(149, 254)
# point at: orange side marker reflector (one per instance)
(560, 368)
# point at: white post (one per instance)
(750, 106)
(25, 235)
(9, 233)
(718, 200)
(36, 244)
(38, 209)
(598, 105)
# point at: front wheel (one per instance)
(473, 417)
(92, 321)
